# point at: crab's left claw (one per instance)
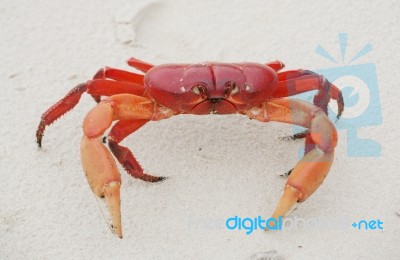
(103, 177)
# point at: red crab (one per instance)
(255, 90)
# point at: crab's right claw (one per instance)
(311, 170)
(103, 177)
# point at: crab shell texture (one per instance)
(217, 88)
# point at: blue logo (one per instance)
(251, 224)
(368, 225)
(290, 223)
(359, 86)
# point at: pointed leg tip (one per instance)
(286, 174)
(39, 141)
(153, 179)
(161, 178)
(297, 136)
(337, 118)
(40, 133)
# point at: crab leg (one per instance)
(105, 87)
(58, 109)
(140, 65)
(118, 75)
(294, 82)
(120, 130)
(276, 65)
(94, 87)
(312, 169)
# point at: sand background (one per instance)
(218, 166)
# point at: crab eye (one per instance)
(199, 90)
(235, 88)
(231, 88)
(196, 89)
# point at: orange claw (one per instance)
(97, 161)
(103, 177)
(305, 178)
(311, 170)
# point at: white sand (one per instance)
(46, 207)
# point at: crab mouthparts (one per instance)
(215, 100)
(214, 106)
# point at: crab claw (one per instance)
(103, 177)
(305, 178)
